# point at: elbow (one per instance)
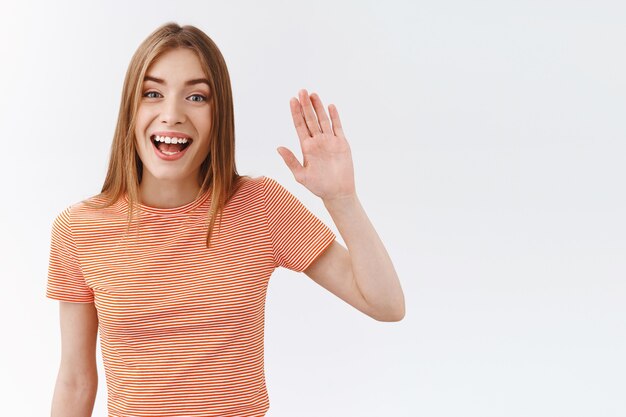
(391, 316)
(392, 310)
(397, 317)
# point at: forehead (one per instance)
(176, 65)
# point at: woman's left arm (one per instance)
(363, 275)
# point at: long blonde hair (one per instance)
(218, 170)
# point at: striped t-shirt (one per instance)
(181, 326)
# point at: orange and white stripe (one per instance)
(181, 326)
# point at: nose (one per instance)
(172, 112)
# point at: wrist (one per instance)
(341, 202)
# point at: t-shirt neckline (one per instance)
(185, 208)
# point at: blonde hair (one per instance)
(218, 170)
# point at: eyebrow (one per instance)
(190, 82)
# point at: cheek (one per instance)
(142, 118)
(207, 123)
(140, 132)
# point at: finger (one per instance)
(309, 113)
(321, 113)
(291, 161)
(334, 116)
(298, 120)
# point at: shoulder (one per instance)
(82, 211)
(259, 184)
(258, 193)
(270, 185)
(258, 181)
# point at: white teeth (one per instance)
(167, 139)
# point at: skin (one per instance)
(362, 275)
(173, 106)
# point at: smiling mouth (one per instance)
(170, 148)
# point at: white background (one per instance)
(488, 144)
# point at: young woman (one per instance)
(172, 259)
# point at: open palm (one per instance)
(327, 170)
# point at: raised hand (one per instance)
(327, 169)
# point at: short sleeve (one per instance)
(65, 277)
(298, 236)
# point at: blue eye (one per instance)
(199, 95)
(150, 92)
(202, 98)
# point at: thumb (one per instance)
(290, 160)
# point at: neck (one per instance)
(167, 193)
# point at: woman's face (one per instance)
(175, 102)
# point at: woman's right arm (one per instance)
(77, 381)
